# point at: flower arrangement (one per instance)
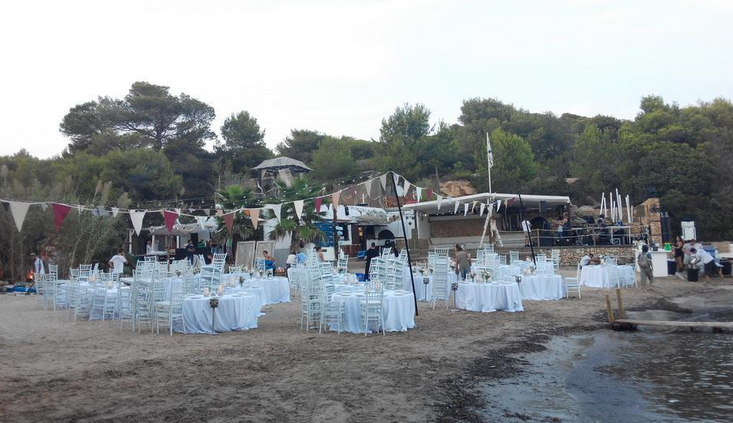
(241, 281)
(485, 275)
(268, 273)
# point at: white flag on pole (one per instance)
(489, 152)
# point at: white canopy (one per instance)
(447, 204)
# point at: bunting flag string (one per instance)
(115, 211)
(318, 202)
(276, 210)
(254, 214)
(137, 220)
(298, 205)
(59, 214)
(368, 187)
(455, 210)
(482, 208)
(229, 221)
(465, 209)
(19, 210)
(418, 194)
(170, 219)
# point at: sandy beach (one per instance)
(53, 370)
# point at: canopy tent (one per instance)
(447, 204)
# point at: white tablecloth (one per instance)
(488, 297)
(257, 291)
(277, 288)
(423, 293)
(399, 312)
(544, 267)
(233, 313)
(599, 276)
(542, 287)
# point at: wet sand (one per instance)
(53, 370)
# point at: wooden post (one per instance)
(621, 311)
(610, 310)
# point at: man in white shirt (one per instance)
(702, 256)
(149, 248)
(117, 262)
(526, 227)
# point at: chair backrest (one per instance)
(513, 255)
(502, 259)
(85, 269)
(442, 251)
(343, 262)
(489, 248)
(542, 257)
(151, 259)
(260, 263)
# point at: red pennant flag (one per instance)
(170, 219)
(511, 201)
(229, 221)
(429, 194)
(318, 203)
(59, 214)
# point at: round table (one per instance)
(505, 270)
(488, 297)
(542, 287)
(257, 291)
(276, 288)
(398, 309)
(605, 276)
(234, 313)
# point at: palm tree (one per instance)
(303, 229)
(233, 197)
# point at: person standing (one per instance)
(321, 256)
(702, 256)
(462, 262)
(679, 255)
(300, 258)
(269, 260)
(370, 254)
(526, 227)
(645, 266)
(190, 251)
(39, 267)
(117, 262)
(149, 248)
(290, 262)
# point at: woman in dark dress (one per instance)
(679, 255)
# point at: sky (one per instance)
(340, 67)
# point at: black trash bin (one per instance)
(692, 275)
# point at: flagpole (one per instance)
(489, 160)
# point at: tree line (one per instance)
(150, 146)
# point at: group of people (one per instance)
(691, 253)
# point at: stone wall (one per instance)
(570, 256)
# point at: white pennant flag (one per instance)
(455, 210)
(178, 211)
(483, 207)
(418, 194)
(19, 210)
(115, 210)
(439, 199)
(368, 187)
(276, 209)
(407, 187)
(498, 205)
(44, 206)
(80, 208)
(137, 220)
(383, 180)
(335, 199)
(298, 204)
(465, 209)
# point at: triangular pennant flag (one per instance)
(137, 220)
(201, 220)
(229, 221)
(208, 212)
(44, 206)
(170, 219)
(483, 207)
(335, 199)
(115, 210)
(498, 205)
(318, 202)
(439, 199)
(19, 210)
(418, 194)
(407, 187)
(254, 214)
(80, 208)
(368, 187)
(465, 209)
(455, 210)
(178, 211)
(276, 209)
(298, 205)
(59, 214)
(383, 181)
(429, 194)
(219, 212)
